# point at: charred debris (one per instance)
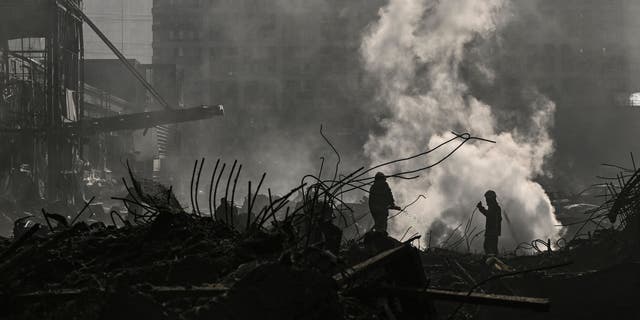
(156, 259)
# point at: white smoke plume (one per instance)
(415, 51)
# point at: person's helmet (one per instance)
(490, 194)
(380, 176)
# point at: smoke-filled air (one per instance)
(416, 51)
(405, 159)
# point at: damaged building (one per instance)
(69, 122)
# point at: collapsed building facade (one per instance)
(43, 89)
(60, 132)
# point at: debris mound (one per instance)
(171, 264)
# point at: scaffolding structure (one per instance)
(41, 80)
(43, 123)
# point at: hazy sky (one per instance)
(128, 23)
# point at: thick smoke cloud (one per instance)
(416, 52)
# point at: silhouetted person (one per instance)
(380, 201)
(493, 214)
(227, 212)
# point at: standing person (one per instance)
(226, 212)
(493, 214)
(380, 201)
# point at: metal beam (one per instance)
(73, 7)
(132, 121)
(144, 120)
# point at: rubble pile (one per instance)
(595, 274)
(179, 265)
(580, 280)
(160, 261)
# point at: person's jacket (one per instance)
(380, 196)
(493, 213)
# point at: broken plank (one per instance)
(373, 262)
(536, 304)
